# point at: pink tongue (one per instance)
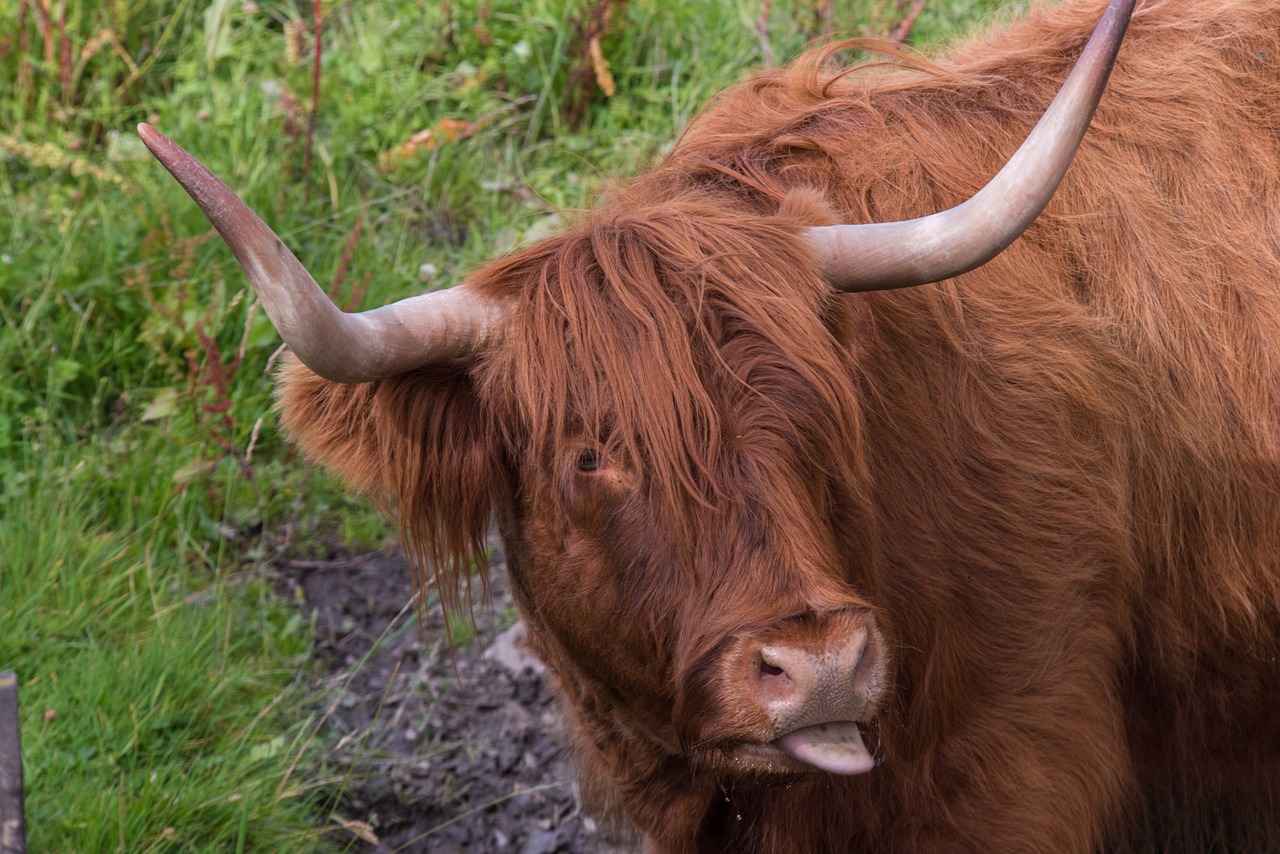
(834, 747)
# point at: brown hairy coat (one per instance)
(1054, 481)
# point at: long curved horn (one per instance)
(345, 348)
(880, 256)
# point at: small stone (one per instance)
(541, 842)
(509, 651)
(506, 757)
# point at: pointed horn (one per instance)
(880, 256)
(344, 348)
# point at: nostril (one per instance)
(770, 670)
(774, 681)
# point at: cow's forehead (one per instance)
(692, 343)
(616, 319)
(664, 299)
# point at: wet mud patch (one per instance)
(438, 751)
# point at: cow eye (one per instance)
(588, 460)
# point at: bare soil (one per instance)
(439, 751)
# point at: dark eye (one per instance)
(588, 460)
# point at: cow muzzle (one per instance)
(813, 682)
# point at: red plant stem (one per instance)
(317, 15)
(825, 17)
(64, 54)
(46, 30)
(24, 44)
(344, 258)
(900, 32)
(762, 32)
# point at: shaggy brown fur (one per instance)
(1055, 481)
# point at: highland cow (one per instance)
(859, 499)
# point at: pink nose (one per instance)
(802, 684)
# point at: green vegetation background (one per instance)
(170, 702)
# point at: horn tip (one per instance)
(154, 140)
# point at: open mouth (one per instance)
(836, 747)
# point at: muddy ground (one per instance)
(441, 751)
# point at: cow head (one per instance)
(687, 485)
(659, 409)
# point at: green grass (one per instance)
(167, 691)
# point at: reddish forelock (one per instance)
(667, 331)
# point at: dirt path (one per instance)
(440, 754)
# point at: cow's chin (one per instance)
(836, 747)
